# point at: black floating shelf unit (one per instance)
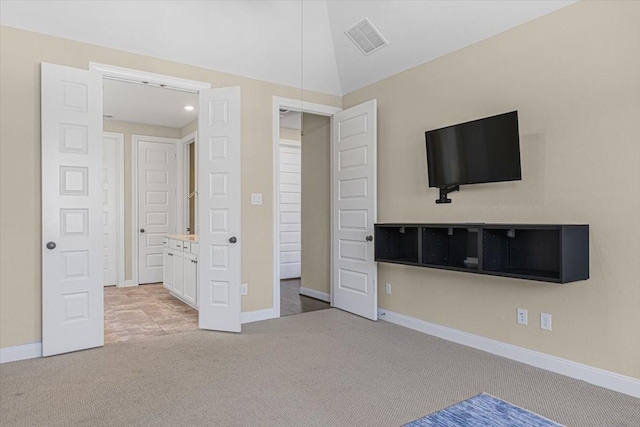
(544, 252)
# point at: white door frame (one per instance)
(120, 245)
(151, 79)
(183, 180)
(135, 223)
(303, 107)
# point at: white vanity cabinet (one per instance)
(180, 267)
(167, 269)
(190, 275)
(178, 273)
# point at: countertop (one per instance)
(184, 237)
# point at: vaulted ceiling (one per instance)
(295, 43)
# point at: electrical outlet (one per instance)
(244, 289)
(387, 288)
(522, 316)
(545, 321)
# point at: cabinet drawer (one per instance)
(195, 248)
(186, 246)
(175, 244)
(165, 242)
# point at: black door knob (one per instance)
(142, 230)
(233, 240)
(51, 245)
(369, 238)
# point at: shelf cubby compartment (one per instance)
(525, 253)
(397, 244)
(542, 252)
(450, 247)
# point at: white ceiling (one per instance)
(137, 103)
(295, 43)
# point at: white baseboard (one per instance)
(34, 350)
(127, 284)
(590, 374)
(258, 315)
(21, 352)
(322, 296)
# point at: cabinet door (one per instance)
(178, 273)
(191, 279)
(167, 269)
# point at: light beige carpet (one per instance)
(325, 368)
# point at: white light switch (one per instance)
(256, 198)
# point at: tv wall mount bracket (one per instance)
(446, 190)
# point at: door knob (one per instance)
(233, 240)
(51, 245)
(142, 230)
(369, 238)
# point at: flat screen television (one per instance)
(480, 151)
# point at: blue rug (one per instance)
(480, 411)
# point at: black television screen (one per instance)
(485, 150)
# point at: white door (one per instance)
(354, 209)
(72, 248)
(110, 187)
(219, 209)
(290, 209)
(156, 205)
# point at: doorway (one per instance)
(304, 212)
(189, 184)
(351, 166)
(155, 201)
(302, 254)
(72, 239)
(153, 122)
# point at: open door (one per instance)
(353, 154)
(219, 209)
(72, 217)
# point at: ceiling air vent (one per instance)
(366, 37)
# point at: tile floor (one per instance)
(150, 310)
(142, 311)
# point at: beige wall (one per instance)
(316, 203)
(21, 53)
(291, 134)
(129, 129)
(191, 127)
(574, 77)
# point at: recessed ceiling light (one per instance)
(188, 107)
